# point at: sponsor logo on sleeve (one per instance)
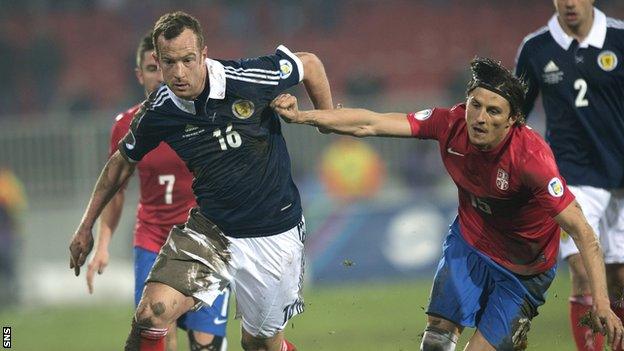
(555, 187)
(423, 115)
(607, 60)
(243, 109)
(286, 68)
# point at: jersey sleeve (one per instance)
(541, 175)
(271, 74)
(118, 131)
(142, 137)
(429, 123)
(523, 71)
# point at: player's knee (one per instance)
(436, 339)
(151, 313)
(217, 343)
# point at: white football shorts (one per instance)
(267, 280)
(604, 210)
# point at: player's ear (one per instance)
(139, 75)
(204, 53)
(155, 56)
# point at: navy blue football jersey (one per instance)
(582, 87)
(231, 140)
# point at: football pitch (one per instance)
(363, 317)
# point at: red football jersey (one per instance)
(165, 187)
(507, 196)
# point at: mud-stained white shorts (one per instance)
(268, 280)
(604, 210)
(265, 273)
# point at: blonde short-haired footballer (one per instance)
(248, 230)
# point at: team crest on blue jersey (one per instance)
(555, 187)
(286, 68)
(243, 109)
(423, 115)
(607, 60)
(502, 179)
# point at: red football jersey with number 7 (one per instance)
(165, 188)
(507, 195)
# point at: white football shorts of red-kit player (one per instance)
(604, 210)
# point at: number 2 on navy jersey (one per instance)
(581, 85)
(167, 180)
(231, 136)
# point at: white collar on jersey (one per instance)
(595, 38)
(216, 79)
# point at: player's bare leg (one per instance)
(580, 305)
(200, 341)
(171, 340)
(253, 343)
(440, 335)
(160, 306)
(615, 280)
(478, 343)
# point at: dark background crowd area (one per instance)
(78, 56)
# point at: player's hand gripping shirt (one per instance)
(582, 87)
(507, 195)
(165, 189)
(231, 140)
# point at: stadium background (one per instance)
(377, 210)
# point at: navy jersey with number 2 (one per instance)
(582, 87)
(231, 140)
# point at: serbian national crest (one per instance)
(502, 179)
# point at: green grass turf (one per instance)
(361, 317)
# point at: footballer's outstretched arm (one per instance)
(356, 122)
(115, 173)
(572, 220)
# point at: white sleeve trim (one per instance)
(294, 57)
